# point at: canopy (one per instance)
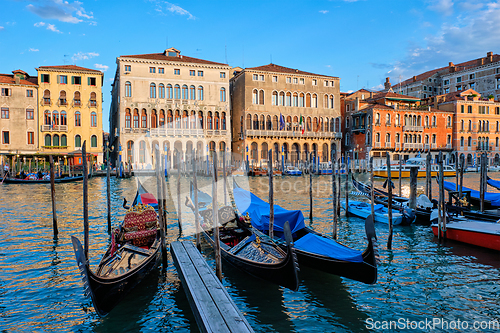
(328, 247)
(258, 210)
(493, 198)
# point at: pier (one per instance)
(212, 306)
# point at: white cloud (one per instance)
(444, 7)
(49, 26)
(33, 50)
(101, 67)
(1, 28)
(378, 87)
(471, 36)
(84, 56)
(162, 6)
(60, 10)
(323, 11)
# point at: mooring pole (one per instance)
(338, 188)
(224, 177)
(271, 193)
(85, 200)
(196, 205)
(428, 176)
(456, 171)
(389, 201)
(108, 186)
(372, 189)
(179, 212)
(334, 197)
(215, 218)
(413, 187)
(310, 189)
(462, 166)
(53, 195)
(400, 174)
(441, 195)
(346, 185)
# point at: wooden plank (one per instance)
(212, 306)
(232, 316)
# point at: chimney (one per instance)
(452, 67)
(356, 106)
(489, 57)
(480, 61)
(414, 79)
(387, 84)
(371, 94)
(17, 80)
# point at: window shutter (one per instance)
(88, 81)
(72, 80)
(58, 79)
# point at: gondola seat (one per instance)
(140, 225)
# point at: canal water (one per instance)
(418, 280)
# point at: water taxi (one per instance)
(448, 170)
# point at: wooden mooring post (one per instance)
(108, 186)
(389, 201)
(346, 186)
(161, 207)
(196, 205)
(338, 188)
(442, 202)
(372, 189)
(462, 166)
(271, 193)
(428, 176)
(179, 212)
(85, 200)
(53, 195)
(215, 220)
(310, 189)
(334, 195)
(482, 178)
(400, 173)
(224, 176)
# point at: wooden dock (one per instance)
(212, 306)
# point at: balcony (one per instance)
(387, 145)
(358, 130)
(433, 146)
(295, 134)
(62, 102)
(46, 101)
(413, 128)
(377, 144)
(93, 104)
(180, 132)
(398, 145)
(483, 148)
(388, 124)
(77, 102)
(413, 146)
(54, 128)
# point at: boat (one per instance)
(312, 248)
(490, 199)
(448, 170)
(291, 170)
(422, 212)
(323, 168)
(42, 181)
(494, 168)
(363, 210)
(461, 229)
(245, 247)
(256, 172)
(494, 183)
(133, 253)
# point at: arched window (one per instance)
(55, 118)
(48, 140)
(78, 141)
(128, 89)
(314, 101)
(130, 151)
(448, 121)
(275, 98)
(185, 92)
(301, 100)
(426, 123)
(152, 90)
(281, 98)
(93, 100)
(295, 100)
(433, 121)
(46, 117)
(222, 94)
(377, 119)
(223, 120)
(153, 119)
(76, 98)
(469, 141)
(127, 118)
(255, 96)
(470, 125)
(161, 91)
(269, 124)
(332, 102)
(200, 93)
(261, 97)
(262, 123)
(93, 141)
(142, 152)
(170, 94)
(308, 100)
(461, 141)
(275, 123)
(177, 91)
(249, 122)
(64, 118)
(93, 119)
(136, 118)
(64, 140)
(200, 118)
(209, 120)
(144, 119)
(216, 121)
(255, 122)
(288, 99)
(78, 118)
(325, 101)
(192, 93)
(388, 119)
(162, 118)
(62, 98)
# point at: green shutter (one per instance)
(58, 79)
(72, 80)
(88, 81)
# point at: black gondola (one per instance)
(42, 181)
(247, 248)
(133, 253)
(313, 249)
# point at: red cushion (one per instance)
(139, 234)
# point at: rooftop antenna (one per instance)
(197, 51)
(64, 61)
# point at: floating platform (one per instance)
(212, 306)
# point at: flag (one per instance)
(301, 124)
(282, 122)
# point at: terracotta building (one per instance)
(174, 101)
(476, 126)
(390, 122)
(19, 119)
(290, 111)
(70, 110)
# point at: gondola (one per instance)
(313, 249)
(491, 200)
(422, 213)
(494, 183)
(134, 252)
(247, 248)
(42, 181)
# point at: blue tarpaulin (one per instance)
(258, 210)
(328, 247)
(493, 198)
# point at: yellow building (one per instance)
(70, 109)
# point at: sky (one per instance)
(360, 41)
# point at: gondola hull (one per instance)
(106, 293)
(459, 232)
(42, 181)
(283, 273)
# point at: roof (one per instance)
(180, 58)
(281, 69)
(9, 79)
(69, 67)
(392, 95)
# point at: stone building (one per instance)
(174, 101)
(287, 110)
(477, 124)
(70, 110)
(19, 118)
(390, 122)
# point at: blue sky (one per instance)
(360, 41)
